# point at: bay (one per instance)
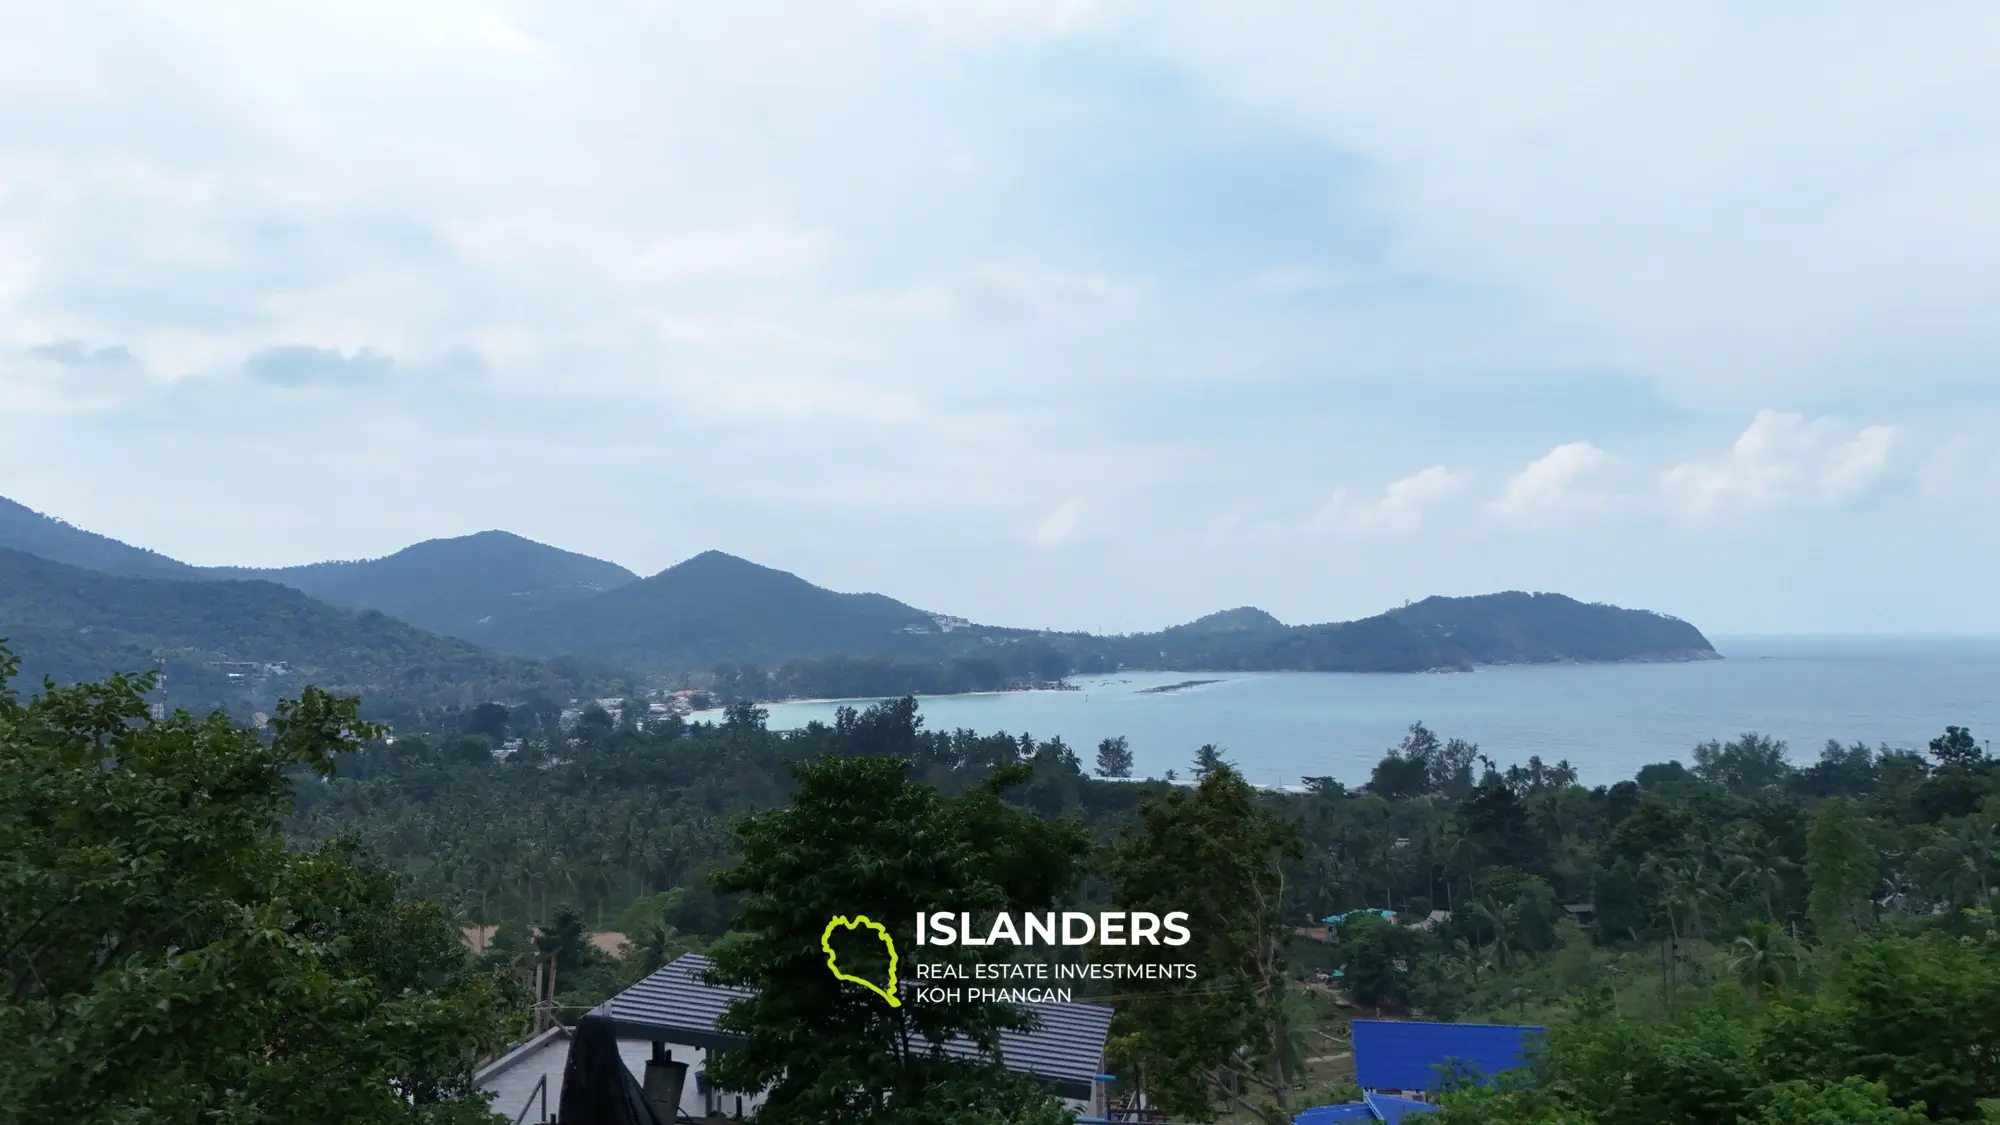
(1608, 720)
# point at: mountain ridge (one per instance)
(532, 601)
(239, 645)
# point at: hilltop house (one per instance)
(667, 1031)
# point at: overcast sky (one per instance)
(1042, 312)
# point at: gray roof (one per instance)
(676, 1005)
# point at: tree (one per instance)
(1397, 778)
(1760, 865)
(1763, 959)
(167, 958)
(1744, 765)
(1964, 857)
(1216, 853)
(860, 838)
(1956, 747)
(1379, 959)
(1114, 757)
(1850, 1101)
(1207, 760)
(1840, 868)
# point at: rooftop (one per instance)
(677, 1004)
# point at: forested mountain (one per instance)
(717, 607)
(452, 586)
(780, 635)
(24, 529)
(222, 644)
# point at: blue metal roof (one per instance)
(1334, 1114)
(1390, 1109)
(1407, 1055)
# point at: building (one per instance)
(671, 1016)
(1398, 1063)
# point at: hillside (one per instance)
(1456, 633)
(716, 607)
(452, 586)
(23, 529)
(787, 635)
(75, 624)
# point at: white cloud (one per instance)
(1783, 460)
(1060, 525)
(1741, 202)
(1553, 484)
(1400, 510)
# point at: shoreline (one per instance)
(1686, 656)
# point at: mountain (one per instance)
(23, 529)
(452, 586)
(1245, 619)
(1436, 633)
(241, 645)
(1518, 628)
(535, 601)
(714, 608)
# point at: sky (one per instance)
(1047, 313)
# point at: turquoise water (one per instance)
(1608, 720)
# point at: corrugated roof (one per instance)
(1407, 1055)
(1334, 1114)
(676, 1004)
(1390, 1110)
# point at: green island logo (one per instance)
(832, 963)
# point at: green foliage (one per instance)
(1841, 866)
(1114, 757)
(1957, 747)
(79, 625)
(1215, 852)
(1378, 960)
(1748, 764)
(859, 837)
(1851, 1101)
(166, 958)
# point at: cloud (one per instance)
(293, 366)
(1554, 484)
(1400, 510)
(73, 353)
(1783, 460)
(1773, 229)
(1060, 525)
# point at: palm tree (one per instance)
(1964, 855)
(1760, 865)
(1763, 959)
(1506, 923)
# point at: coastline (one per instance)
(1216, 676)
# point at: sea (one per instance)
(1607, 720)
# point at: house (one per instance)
(670, 1018)
(1397, 1063)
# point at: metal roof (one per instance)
(675, 1004)
(1408, 1055)
(1390, 1110)
(1334, 1114)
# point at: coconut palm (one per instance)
(1763, 959)
(1760, 867)
(1964, 856)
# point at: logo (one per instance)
(832, 961)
